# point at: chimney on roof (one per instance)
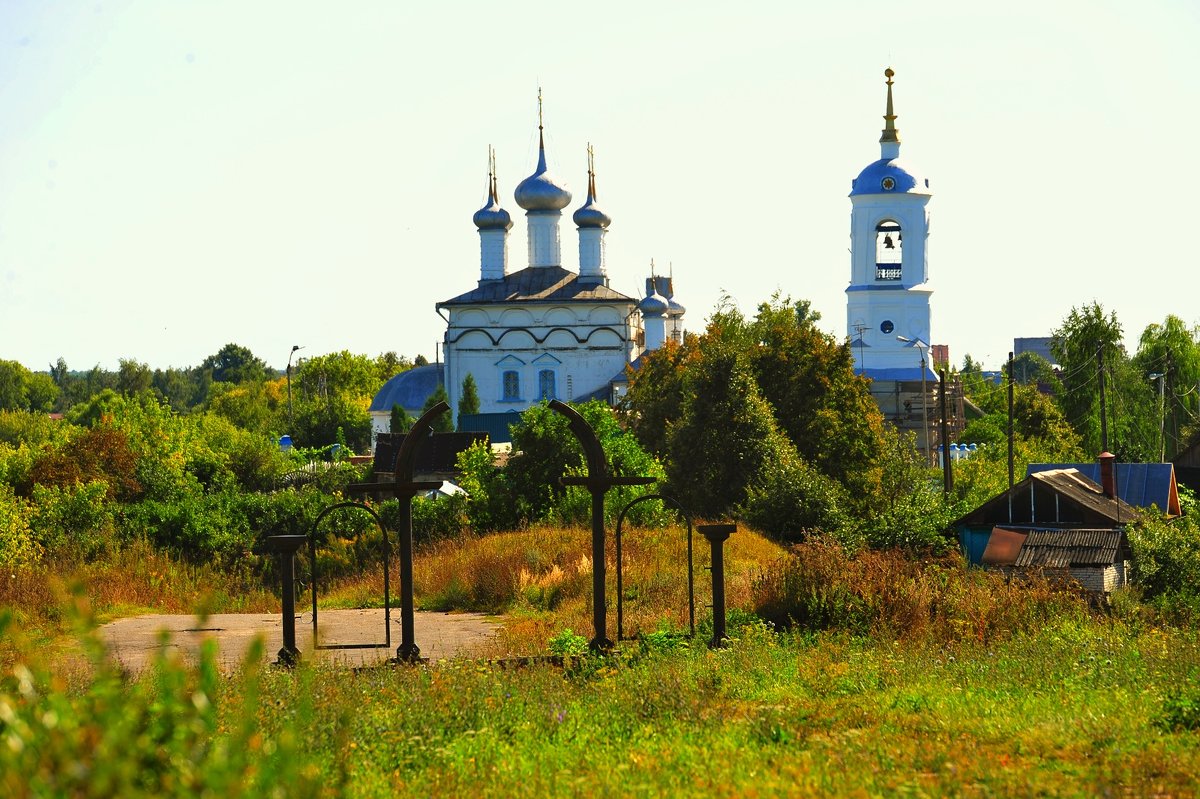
(1107, 474)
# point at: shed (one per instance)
(1054, 499)
(1097, 559)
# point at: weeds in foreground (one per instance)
(179, 730)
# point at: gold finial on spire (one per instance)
(890, 134)
(539, 107)
(495, 197)
(591, 172)
(652, 267)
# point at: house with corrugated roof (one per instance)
(1055, 520)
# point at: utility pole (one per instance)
(947, 474)
(1162, 416)
(1103, 412)
(295, 347)
(1011, 476)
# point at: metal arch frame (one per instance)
(387, 568)
(687, 517)
(597, 482)
(404, 488)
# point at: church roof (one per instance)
(409, 389)
(901, 179)
(538, 284)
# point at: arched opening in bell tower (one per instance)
(889, 250)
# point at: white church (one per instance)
(543, 331)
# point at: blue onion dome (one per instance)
(492, 216)
(654, 304)
(541, 191)
(889, 176)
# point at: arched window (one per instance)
(546, 385)
(512, 386)
(889, 250)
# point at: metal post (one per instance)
(289, 384)
(924, 406)
(404, 488)
(716, 535)
(597, 482)
(947, 473)
(286, 546)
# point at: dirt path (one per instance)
(134, 640)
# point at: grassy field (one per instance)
(874, 700)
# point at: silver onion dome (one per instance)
(653, 305)
(492, 216)
(590, 215)
(541, 191)
(674, 307)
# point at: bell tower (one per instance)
(887, 301)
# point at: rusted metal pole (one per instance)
(597, 483)
(716, 535)
(286, 546)
(404, 488)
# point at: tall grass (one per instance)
(542, 578)
(821, 585)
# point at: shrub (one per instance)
(77, 519)
(1166, 563)
(792, 498)
(822, 585)
(17, 545)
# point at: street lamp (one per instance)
(1162, 417)
(289, 382)
(922, 346)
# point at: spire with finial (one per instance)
(491, 216)
(589, 214)
(891, 136)
(541, 191)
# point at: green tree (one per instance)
(234, 363)
(468, 400)
(400, 420)
(14, 395)
(389, 364)
(820, 403)
(445, 422)
(725, 437)
(23, 390)
(1172, 349)
(133, 377)
(1088, 338)
(42, 392)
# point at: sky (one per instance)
(176, 175)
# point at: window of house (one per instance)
(546, 385)
(512, 386)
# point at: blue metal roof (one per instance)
(1139, 484)
(900, 374)
(494, 424)
(409, 389)
(870, 180)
